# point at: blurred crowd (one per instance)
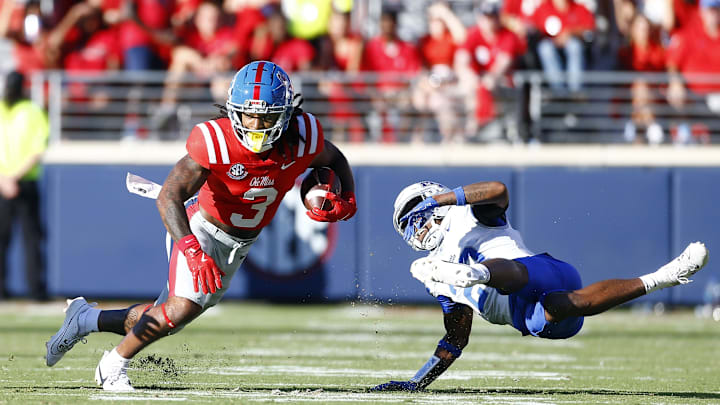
(460, 54)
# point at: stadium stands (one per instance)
(121, 69)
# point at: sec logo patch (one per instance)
(237, 172)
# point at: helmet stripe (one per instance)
(258, 79)
(259, 72)
(220, 135)
(212, 158)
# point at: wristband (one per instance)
(454, 350)
(459, 195)
(188, 241)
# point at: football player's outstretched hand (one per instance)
(397, 386)
(344, 207)
(201, 265)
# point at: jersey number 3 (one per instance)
(269, 193)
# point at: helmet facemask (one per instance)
(259, 140)
(429, 228)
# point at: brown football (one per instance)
(316, 184)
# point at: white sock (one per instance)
(481, 272)
(654, 282)
(115, 358)
(88, 321)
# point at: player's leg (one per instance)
(158, 322)
(507, 276)
(82, 318)
(591, 300)
(179, 304)
(603, 295)
(121, 321)
(155, 323)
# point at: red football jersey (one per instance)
(243, 190)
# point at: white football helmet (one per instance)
(406, 200)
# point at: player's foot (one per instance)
(679, 270)
(69, 333)
(112, 376)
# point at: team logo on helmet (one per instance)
(237, 172)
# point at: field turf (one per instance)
(249, 353)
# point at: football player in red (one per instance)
(242, 164)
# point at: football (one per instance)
(316, 184)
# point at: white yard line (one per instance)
(385, 373)
(325, 352)
(115, 397)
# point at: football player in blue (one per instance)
(478, 263)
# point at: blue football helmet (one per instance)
(260, 87)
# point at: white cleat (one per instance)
(112, 377)
(457, 274)
(681, 268)
(69, 333)
(428, 269)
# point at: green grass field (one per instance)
(258, 353)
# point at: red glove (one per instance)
(344, 207)
(201, 266)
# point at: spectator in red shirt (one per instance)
(644, 53)
(563, 24)
(387, 52)
(146, 31)
(437, 94)
(26, 31)
(87, 44)
(87, 47)
(248, 17)
(205, 50)
(395, 61)
(483, 64)
(693, 51)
